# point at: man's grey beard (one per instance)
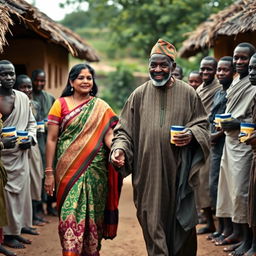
(162, 83)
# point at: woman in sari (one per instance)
(80, 134)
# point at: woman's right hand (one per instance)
(118, 158)
(49, 184)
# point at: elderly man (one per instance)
(236, 160)
(163, 174)
(16, 111)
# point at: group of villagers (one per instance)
(24, 107)
(202, 171)
(225, 197)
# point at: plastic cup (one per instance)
(225, 117)
(46, 122)
(40, 126)
(9, 132)
(217, 120)
(22, 136)
(175, 129)
(246, 130)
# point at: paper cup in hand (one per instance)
(175, 129)
(246, 130)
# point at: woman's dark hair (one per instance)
(73, 74)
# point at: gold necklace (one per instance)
(73, 101)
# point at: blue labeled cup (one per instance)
(9, 131)
(40, 126)
(246, 130)
(22, 136)
(175, 129)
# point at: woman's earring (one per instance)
(72, 89)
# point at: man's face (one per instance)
(194, 80)
(39, 82)
(252, 71)
(224, 71)
(26, 86)
(160, 69)
(177, 73)
(241, 58)
(7, 76)
(207, 70)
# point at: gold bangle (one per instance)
(50, 174)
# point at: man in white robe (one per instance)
(16, 111)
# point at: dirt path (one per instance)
(128, 242)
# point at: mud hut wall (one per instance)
(30, 54)
(225, 45)
(56, 67)
(26, 53)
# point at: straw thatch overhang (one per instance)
(13, 12)
(238, 18)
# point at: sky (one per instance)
(51, 8)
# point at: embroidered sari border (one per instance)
(88, 142)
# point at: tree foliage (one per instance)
(78, 19)
(119, 86)
(139, 24)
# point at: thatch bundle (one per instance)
(239, 17)
(41, 24)
(5, 21)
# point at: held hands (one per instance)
(9, 142)
(118, 158)
(27, 144)
(234, 124)
(182, 138)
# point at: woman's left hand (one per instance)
(49, 184)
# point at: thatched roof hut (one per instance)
(31, 40)
(22, 12)
(224, 30)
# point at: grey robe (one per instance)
(45, 100)
(15, 161)
(206, 93)
(236, 160)
(163, 182)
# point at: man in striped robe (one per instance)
(163, 174)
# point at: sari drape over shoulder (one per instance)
(87, 186)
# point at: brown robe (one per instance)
(163, 175)
(232, 198)
(206, 93)
(252, 185)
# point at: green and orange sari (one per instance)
(88, 188)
